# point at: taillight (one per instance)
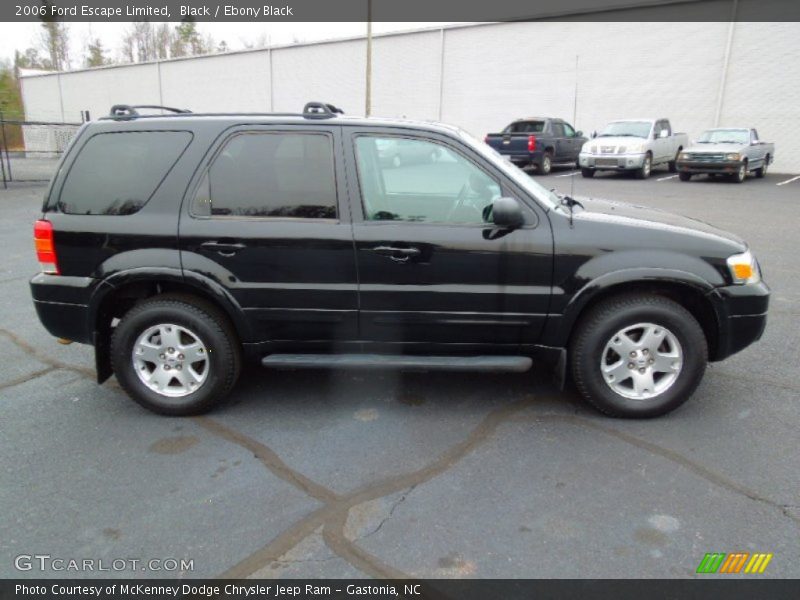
(45, 247)
(486, 139)
(531, 143)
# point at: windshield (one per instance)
(628, 128)
(725, 136)
(518, 175)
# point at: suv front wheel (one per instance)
(638, 356)
(175, 355)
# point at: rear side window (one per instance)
(117, 173)
(270, 175)
(525, 127)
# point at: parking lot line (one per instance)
(568, 174)
(665, 178)
(788, 180)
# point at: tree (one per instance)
(54, 40)
(29, 59)
(95, 54)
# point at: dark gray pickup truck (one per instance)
(538, 141)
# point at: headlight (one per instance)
(744, 268)
(683, 156)
(635, 148)
(621, 150)
(593, 149)
(733, 156)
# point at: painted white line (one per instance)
(665, 178)
(568, 174)
(788, 180)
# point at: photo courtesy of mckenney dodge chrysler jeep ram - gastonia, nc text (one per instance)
(318, 240)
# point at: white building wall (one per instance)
(331, 72)
(489, 75)
(228, 82)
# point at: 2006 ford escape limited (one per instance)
(180, 245)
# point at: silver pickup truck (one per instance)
(632, 145)
(731, 151)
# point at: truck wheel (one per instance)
(673, 164)
(175, 355)
(741, 174)
(643, 172)
(684, 176)
(638, 356)
(547, 164)
(763, 170)
(589, 173)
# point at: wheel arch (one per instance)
(687, 292)
(124, 290)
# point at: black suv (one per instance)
(181, 245)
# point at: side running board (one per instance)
(515, 364)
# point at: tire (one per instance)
(547, 164)
(741, 174)
(760, 173)
(673, 164)
(187, 320)
(588, 173)
(643, 172)
(684, 176)
(600, 331)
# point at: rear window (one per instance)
(525, 127)
(117, 173)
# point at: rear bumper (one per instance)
(742, 314)
(725, 167)
(611, 162)
(525, 158)
(62, 304)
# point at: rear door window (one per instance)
(117, 173)
(266, 174)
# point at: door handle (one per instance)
(223, 248)
(397, 254)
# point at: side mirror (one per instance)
(664, 133)
(507, 213)
(594, 134)
(579, 133)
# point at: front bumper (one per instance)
(611, 162)
(742, 316)
(693, 166)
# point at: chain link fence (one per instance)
(30, 150)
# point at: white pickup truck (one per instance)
(632, 145)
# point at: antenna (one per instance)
(574, 122)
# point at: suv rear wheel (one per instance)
(638, 356)
(175, 355)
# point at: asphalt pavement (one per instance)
(384, 474)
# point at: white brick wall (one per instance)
(491, 74)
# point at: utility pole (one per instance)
(368, 106)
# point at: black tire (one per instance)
(761, 172)
(600, 325)
(211, 327)
(647, 167)
(684, 176)
(588, 173)
(673, 164)
(741, 174)
(547, 163)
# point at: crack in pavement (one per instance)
(387, 517)
(51, 362)
(26, 378)
(712, 477)
(332, 516)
